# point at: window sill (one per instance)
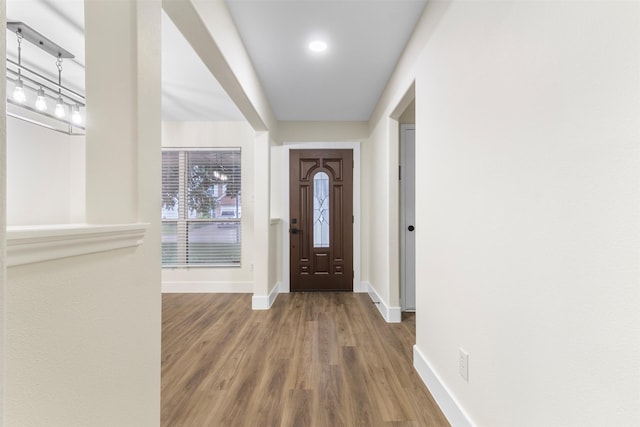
(39, 243)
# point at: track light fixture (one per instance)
(60, 110)
(32, 85)
(76, 118)
(18, 90)
(41, 100)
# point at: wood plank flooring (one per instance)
(314, 359)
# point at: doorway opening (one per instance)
(406, 116)
(407, 217)
(321, 217)
(285, 168)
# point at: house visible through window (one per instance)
(201, 207)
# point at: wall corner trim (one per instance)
(39, 243)
(390, 314)
(451, 408)
(260, 302)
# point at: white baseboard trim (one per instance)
(390, 314)
(361, 288)
(452, 410)
(264, 302)
(199, 287)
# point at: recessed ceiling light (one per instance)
(318, 46)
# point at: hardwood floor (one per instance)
(314, 359)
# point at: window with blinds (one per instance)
(201, 208)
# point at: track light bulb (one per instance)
(41, 101)
(18, 92)
(59, 112)
(76, 118)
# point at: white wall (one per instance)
(527, 209)
(83, 333)
(322, 131)
(45, 175)
(276, 181)
(263, 264)
(78, 343)
(3, 212)
(217, 135)
(381, 194)
(275, 253)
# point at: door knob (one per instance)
(411, 228)
(294, 231)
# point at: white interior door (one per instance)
(407, 217)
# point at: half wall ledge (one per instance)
(39, 243)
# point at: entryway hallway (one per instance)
(313, 359)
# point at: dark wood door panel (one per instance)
(321, 213)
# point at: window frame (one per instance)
(183, 221)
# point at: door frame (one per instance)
(404, 186)
(284, 203)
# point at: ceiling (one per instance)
(189, 90)
(365, 39)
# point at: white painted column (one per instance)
(123, 169)
(262, 223)
(112, 110)
(149, 111)
(149, 137)
(149, 179)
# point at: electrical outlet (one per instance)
(463, 364)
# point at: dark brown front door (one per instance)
(321, 216)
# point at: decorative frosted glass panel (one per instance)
(321, 210)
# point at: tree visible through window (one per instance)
(201, 208)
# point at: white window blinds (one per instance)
(201, 208)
